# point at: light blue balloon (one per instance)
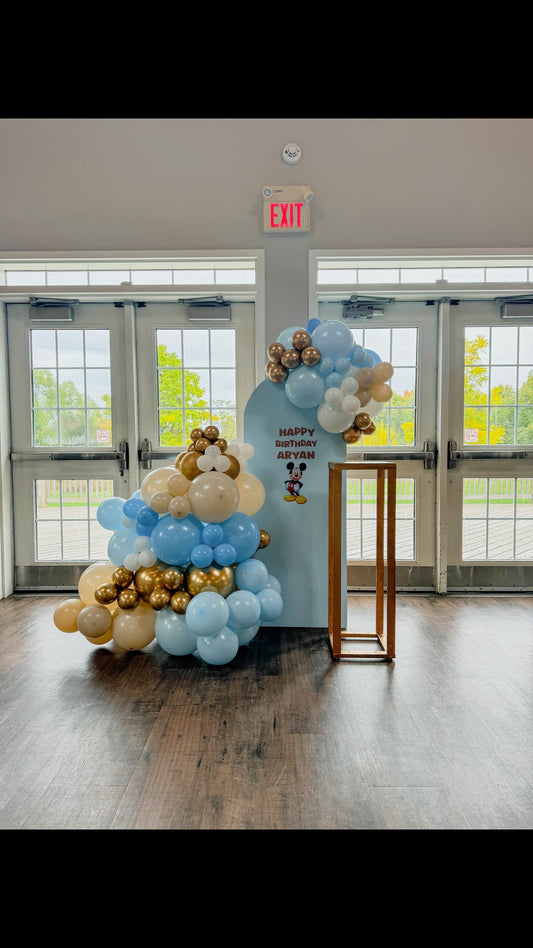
(120, 545)
(357, 356)
(109, 513)
(251, 575)
(244, 609)
(219, 649)
(312, 323)
(333, 339)
(342, 365)
(271, 603)
(304, 387)
(202, 555)
(132, 507)
(285, 337)
(325, 366)
(173, 634)
(207, 613)
(243, 533)
(274, 582)
(225, 554)
(212, 534)
(375, 357)
(173, 540)
(246, 635)
(333, 380)
(146, 521)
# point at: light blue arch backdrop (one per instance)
(295, 511)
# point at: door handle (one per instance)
(146, 453)
(454, 455)
(121, 455)
(428, 455)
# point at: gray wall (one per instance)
(195, 184)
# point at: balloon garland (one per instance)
(181, 562)
(322, 367)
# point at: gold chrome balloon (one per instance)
(351, 435)
(234, 468)
(179, 601)
(301, 339)
(172, 578)
(122, 577)
(220, 579)
(160, 598)
(264, 539)
(211, 432)
(311, 355)
(362, 420)
(188, 465)
(146, 579)
(201, 444)
(290, 358)
(108, 592)
(221, 443)
(128, 598)
(278, 373)
(275, 351)
(196, 433)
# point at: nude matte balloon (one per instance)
(97, 574)
(94, 621)
(154, 481)
(252, 493)
(136, 629)
(213, 496)
(66, 615)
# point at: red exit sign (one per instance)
(286, 210)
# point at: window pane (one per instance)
(223, 387)
(493, 378)
(497, 518)
(361, 514)
(66, 528)
(82, 394)
(504, 345)
(222, 347)
(196, 347)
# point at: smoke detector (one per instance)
(291, 153)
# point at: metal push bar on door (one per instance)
(385, 632)
(121, 456)
(454, 455)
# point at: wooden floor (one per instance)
(283, 737)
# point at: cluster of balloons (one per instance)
(322, 367)
(181, 562)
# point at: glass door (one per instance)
(404, 334)
(70, 435)
(100, 393)
(203, 372)
(490, 449)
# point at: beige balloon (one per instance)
(134, 630)
(97, 574)
(180, 506)
(94, 621)
(154, 481)
(66, 614)
(178, 484)
(252, 493)
(160, 500)
(102, 639)
(214, 497)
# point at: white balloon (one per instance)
(332, 420)
(222, 463)
(213, 450)
(147, 558)
(333, 396)
(132, 561)
(247, 450)
(142, 543)
(349, 386)
(205, 462)
(373, 407)
(350, 403)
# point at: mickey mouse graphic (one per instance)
(294, 484)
